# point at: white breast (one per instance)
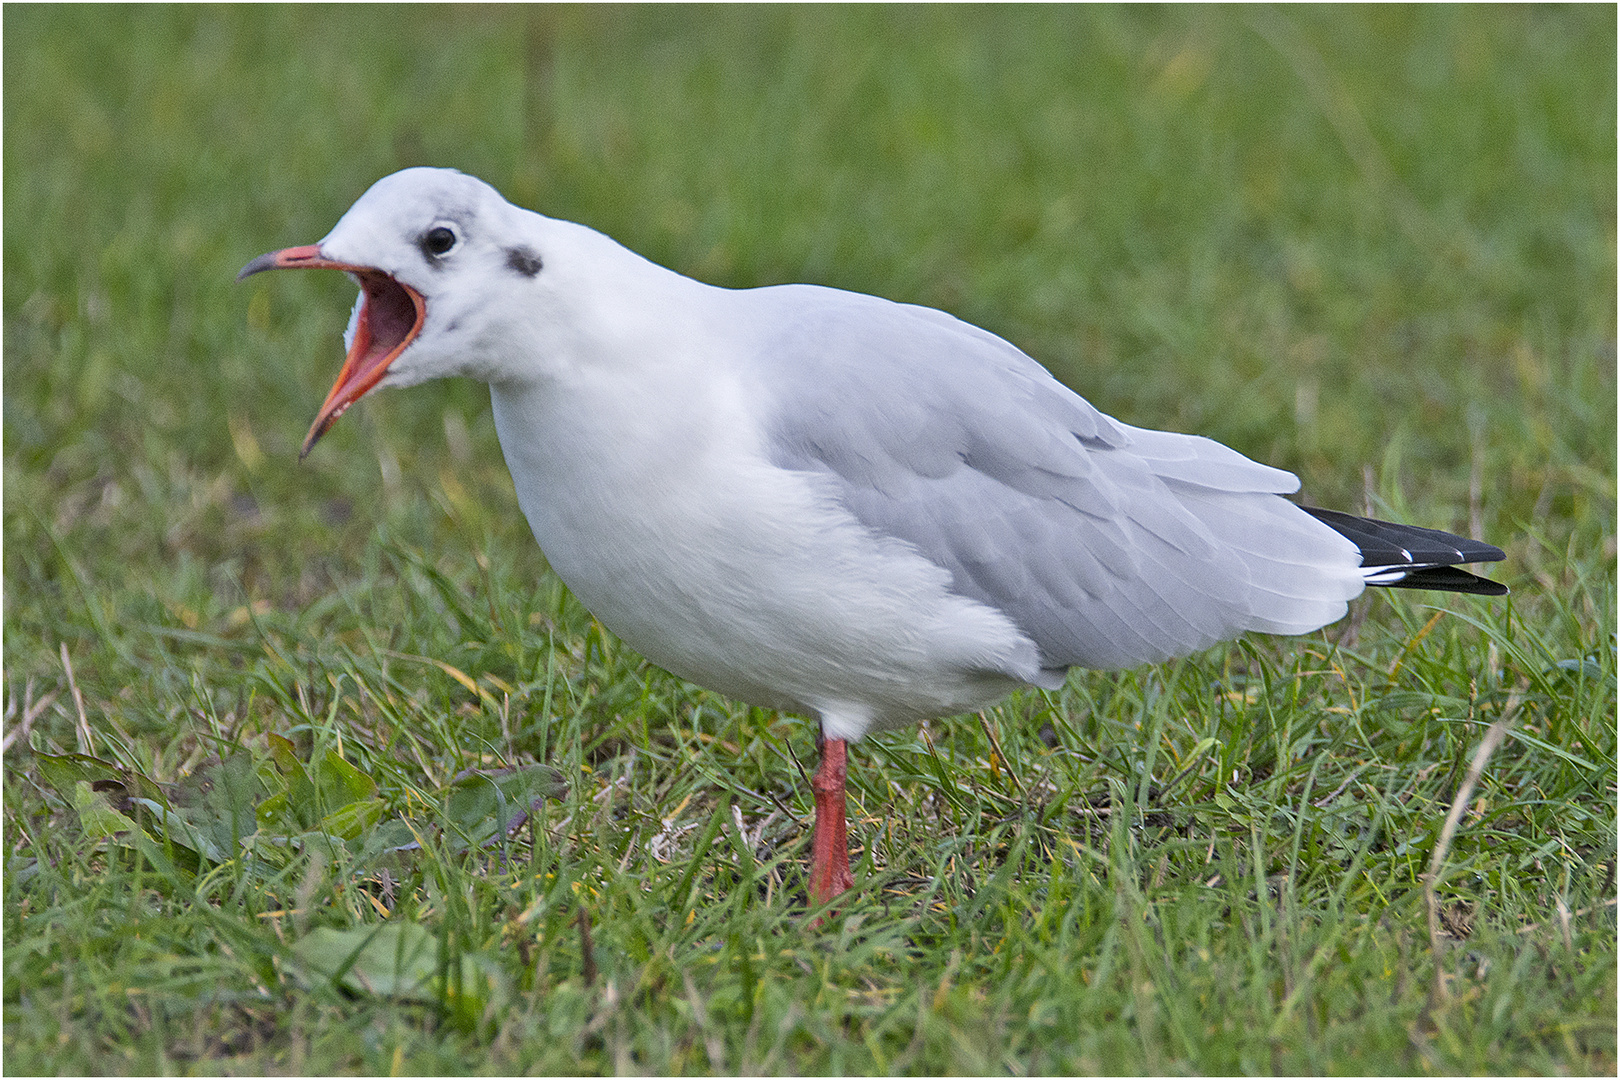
(656, 505)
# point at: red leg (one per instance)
(829, 859)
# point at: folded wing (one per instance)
(1108, 545)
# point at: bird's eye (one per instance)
(438, 240)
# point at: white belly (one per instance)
(750, 580)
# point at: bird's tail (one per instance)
(1409, 557)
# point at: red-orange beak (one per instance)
(391, 315)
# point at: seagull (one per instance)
(826, 503)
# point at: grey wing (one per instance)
(1108, 545)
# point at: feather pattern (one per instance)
(1412, 557)
(1108, 545)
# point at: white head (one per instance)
(446, 269)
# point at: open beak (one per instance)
(391, 315)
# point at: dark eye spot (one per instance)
(523, 260)
(438, 240)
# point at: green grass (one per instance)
(1374, 246)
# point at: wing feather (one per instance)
(1108, 545)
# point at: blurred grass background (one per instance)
(1375, 246)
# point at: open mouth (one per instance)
(391, 316)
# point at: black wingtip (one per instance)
(1448, 579)
(1433, 555)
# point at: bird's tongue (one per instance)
(391, 316)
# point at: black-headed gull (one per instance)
(824, 502)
